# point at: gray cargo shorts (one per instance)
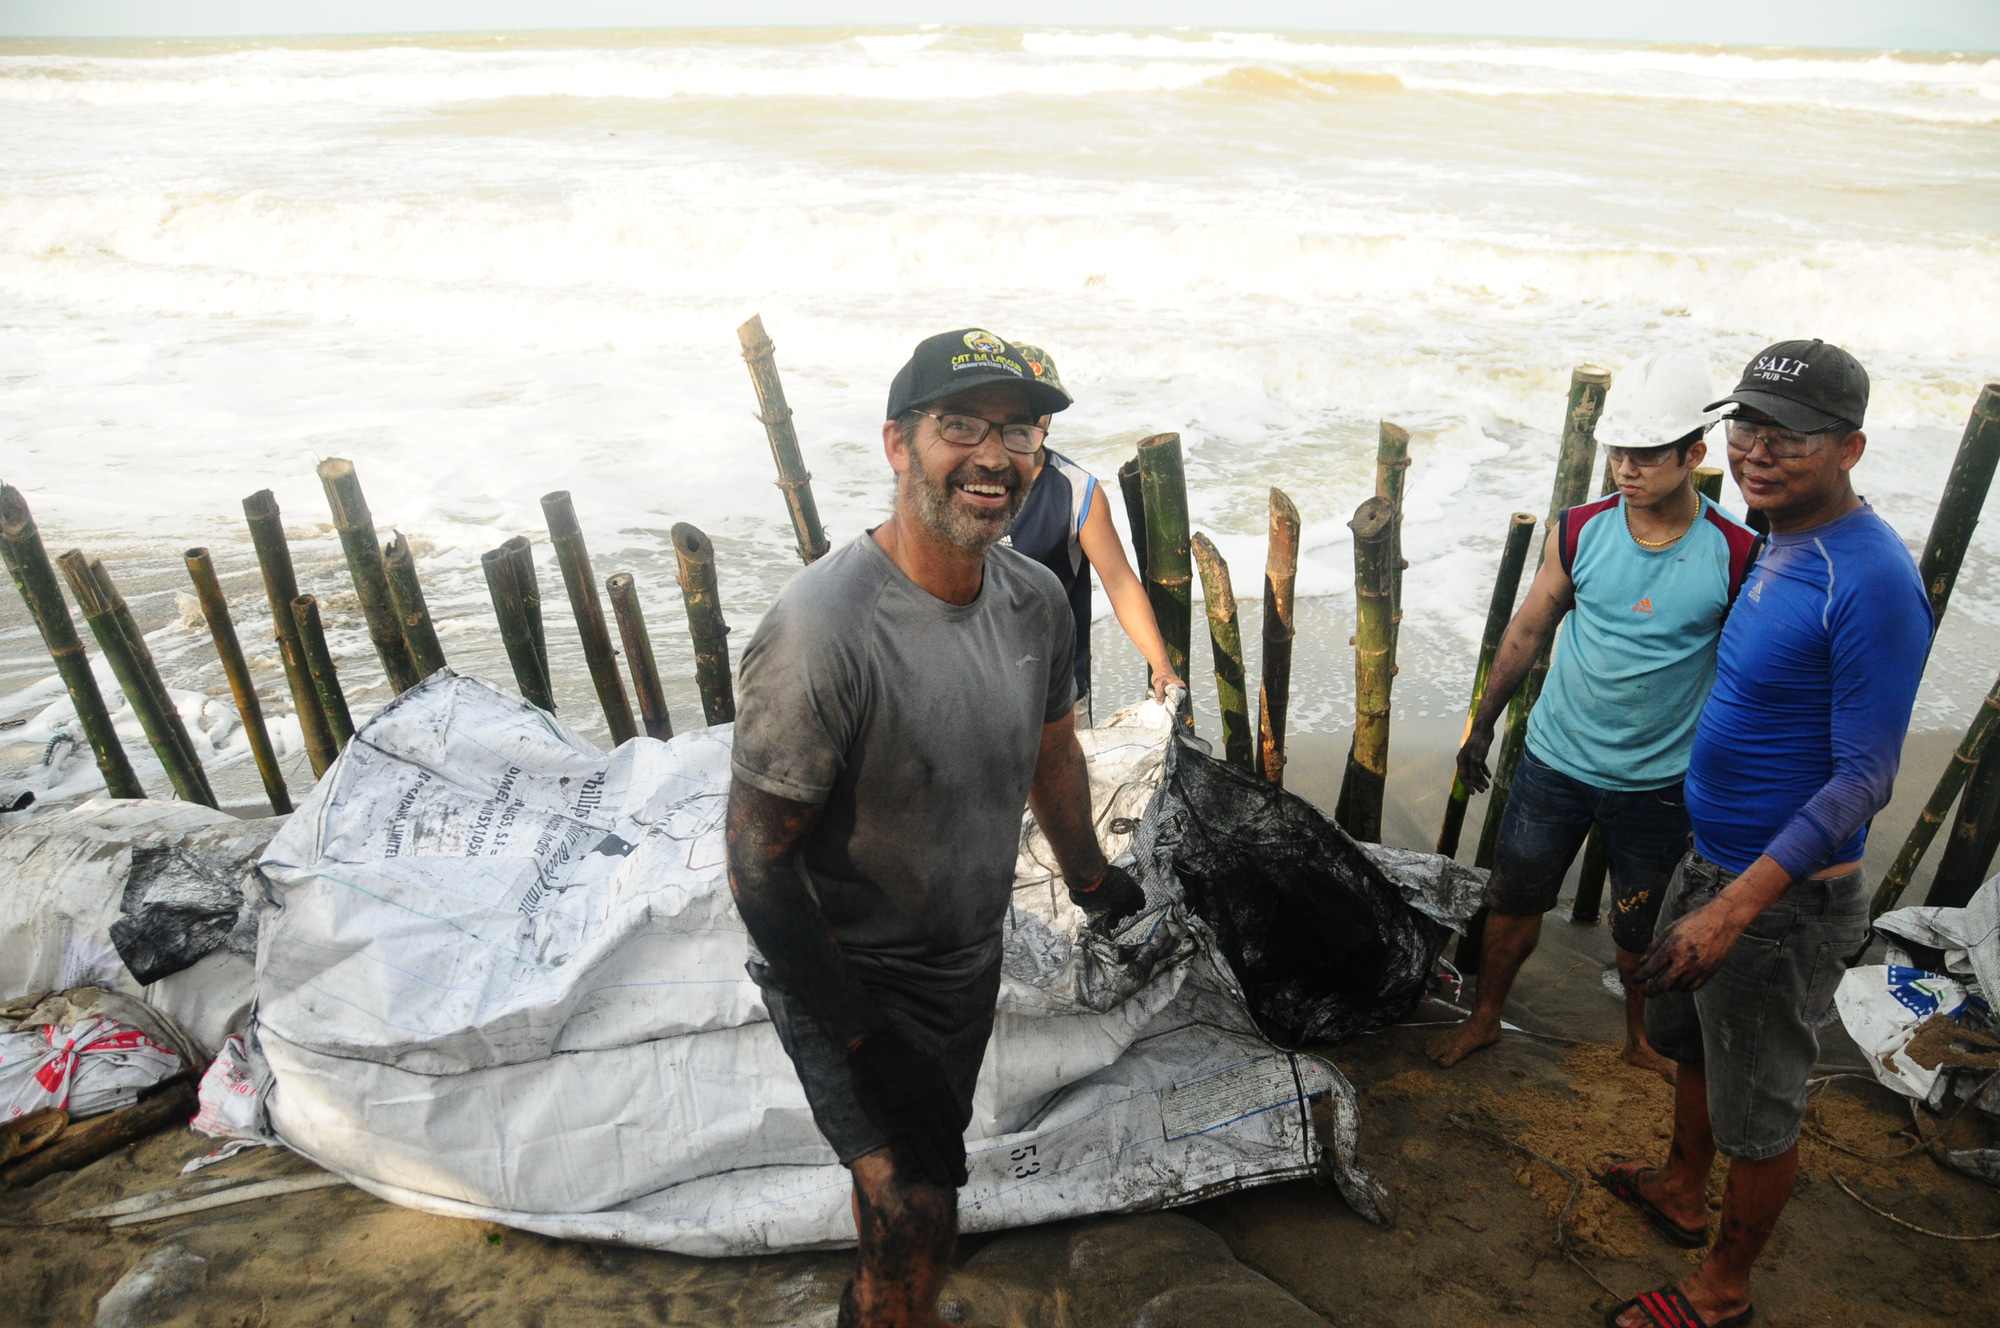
(1754, 1026)
(951, 1025)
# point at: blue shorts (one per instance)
(1548, 814)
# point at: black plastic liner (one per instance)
(185, 899)
(1319, 937)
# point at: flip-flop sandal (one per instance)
(1668, 1308)
(1622, 1179)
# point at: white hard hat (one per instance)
(1657, 401)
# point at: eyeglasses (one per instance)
(1645, 458)
(971, 431)
(1784, 444)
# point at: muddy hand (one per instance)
(906, 1094)
(1472, 770)
(1111, 902)
(1687, 954)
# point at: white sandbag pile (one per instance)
(500, 976)
(143, 898)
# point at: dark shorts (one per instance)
(1754, 1026)
(952, 1026)
(1548, 815)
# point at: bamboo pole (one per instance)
(1392, 469)
(566, 534)
(319, 665)
(1499, 611)
(1588, 385)
(1374, 650)
(1169, 566)
(1281, 570)
(1133, 488)
(281, 587)
(1708, 482)
(776, 417)
(624, 594)
(511, 594)
(150, 671)
(1589, 903)
(703, 601)
(364, 561)
(1975, 831)
(1225, 635)
(1970, 749)
(138, 677)
(406, 595)
(215, 609)
(28, 565)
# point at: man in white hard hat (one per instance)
(1650, 572)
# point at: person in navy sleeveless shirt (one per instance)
(1065, 525)
(1639, 582)
(1796, 750)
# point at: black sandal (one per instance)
(1622, 1179)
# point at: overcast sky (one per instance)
(1934, 24)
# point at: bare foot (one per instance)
(1641, 1056)
(1455, 1044)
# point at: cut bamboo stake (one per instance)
(1499, 611)
(1133, 488)
(776, 417)
(406, 594)
(1975, 830)
(132, 664)
(1374, 647)
(281, 587)
(511, 605)
(150, 671)
(319, 666)
(566, 534)
(703, 601)
(1708, 483)
(1392, 469)
(215, 609)
(1169, 566)
(1572, 483)
(364, 560)
(171, 1102)
(1281, 569)
(1970, 749)
(1589, 904)
(624, 594)
(28, 565)
(1225, 637)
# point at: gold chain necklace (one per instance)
(1660, 544)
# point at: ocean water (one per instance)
(486, 267)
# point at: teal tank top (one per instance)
(1635, 658)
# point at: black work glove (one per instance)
(1112, 902)
(905, 1093)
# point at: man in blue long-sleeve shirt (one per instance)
(1796, 750)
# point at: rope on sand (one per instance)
(1922, 1231)
(1575, 1191)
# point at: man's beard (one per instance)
(969, 528)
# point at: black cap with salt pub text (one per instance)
(1807, 386)
(970, 357)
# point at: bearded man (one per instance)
(902, 701)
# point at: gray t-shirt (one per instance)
(917, 724)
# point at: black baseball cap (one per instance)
(970, 357)
(1807, 386)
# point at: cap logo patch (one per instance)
(984, 342)
(1777, 369)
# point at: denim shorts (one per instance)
(950, 1026)
(1548, 814)
(1754, 1026)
